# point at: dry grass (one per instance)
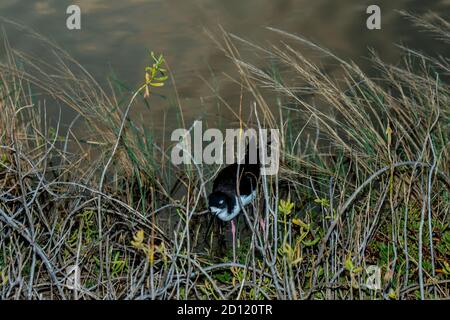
(364, 161)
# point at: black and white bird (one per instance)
(234, 188)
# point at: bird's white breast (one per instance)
(247, 199)
(223, 214)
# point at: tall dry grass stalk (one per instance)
(363, 182)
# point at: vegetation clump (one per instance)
(363, 185)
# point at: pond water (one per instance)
(117, 35)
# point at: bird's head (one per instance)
(220, 205)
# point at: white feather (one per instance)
(223, 214)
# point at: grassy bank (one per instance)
(363, 182)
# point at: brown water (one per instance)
(117, 35)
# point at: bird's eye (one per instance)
(221, 201)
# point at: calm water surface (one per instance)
(117, 35)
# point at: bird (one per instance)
(234, 188)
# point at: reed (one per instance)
(363, 182)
